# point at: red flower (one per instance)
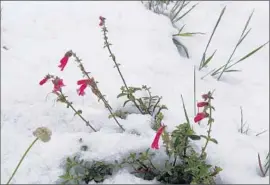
(64, 60)
(202, 104)
(44, 80)
(83, 86)
(84, 81)
(81, 89)
(157, 137)
(58, 84)
(102, 20)
(200, 116)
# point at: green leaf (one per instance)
(126, 102)
(121, 94)
(205, 137)
(189, 34)
(78, 112)
(208, 59)
(98, 178)
(213, 140)
(194, 137)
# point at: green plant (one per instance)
(41, 133)
(80, 171)
(207, 110)
(226, 68)
(205, 61)
(178, 8)
(146, 105)
(184, 165)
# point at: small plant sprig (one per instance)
(183, 166)
(58, 84)
(206, 113)
(80, 171)
(266, 165)
(116, 65)
(243, 129)
(41, 133)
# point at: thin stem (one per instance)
(210, 125)
(107, 45)
(107, 105)
(87, 75)
(18, 165)
(70, 105)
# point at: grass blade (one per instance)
(185, 111)
(232, 70)
(208, 60)
(242, 37)
(247, 23)
(249, 54)
(186, 13)
(189, 34)
(213, 32)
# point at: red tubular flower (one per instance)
(202, 104)
(44, 80)
(157, 137)
(83, 86)
(58, 84)
(200, 116)
(81, 89)
(84, 81)
(64, 60)
(102, 20)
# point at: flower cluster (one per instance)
(58, 82)
(102, 20)
(204, 104)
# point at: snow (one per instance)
(37, 34)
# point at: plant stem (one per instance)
(210, 125)
(76, 112)
(107, 105)
(18, 165)
(107, 45)
(194, 95)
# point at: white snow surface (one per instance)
(37, 34)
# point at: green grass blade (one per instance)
(242, 39)
(248, 55)
(232, 70)
(189, 34)
(181, 17)
(185, 111)
(208, 60)
(247, 23)
(213, 32)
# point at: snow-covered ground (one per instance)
(37, 34)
